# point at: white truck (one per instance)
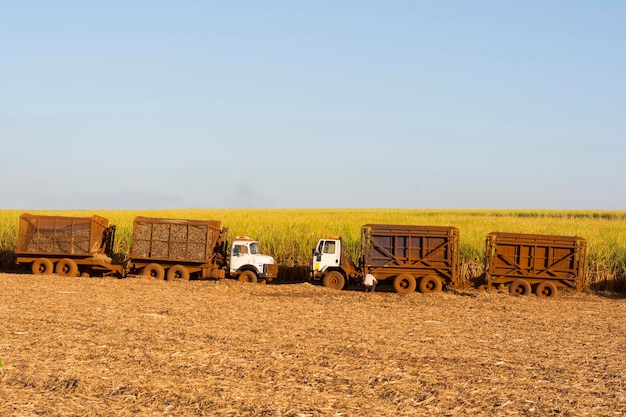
(409, 257)
(176, 249)
(248, 263)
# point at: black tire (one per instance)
(42, 266)
(404, 284)
(546, 289)
(520, 287)
(248, 276)
(178, 273)
(66, 268)
(430, 284)
(154, 270)
(334, 280)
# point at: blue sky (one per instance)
(280, 104)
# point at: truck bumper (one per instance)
(215, 273)
(269, 272)
(316, 275)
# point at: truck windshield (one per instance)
(254, 248)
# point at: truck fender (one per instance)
(248, 267)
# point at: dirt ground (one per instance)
(135, 346)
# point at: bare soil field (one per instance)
(135, 346)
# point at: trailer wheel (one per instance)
(42, 266)
(430, 284)
(178, 273)
(404, 284)
(546, 289)
(66, 268)
(334, 280)
(247, 276)
(519, 287)
(154, 271)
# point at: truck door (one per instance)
(328, 254)
(240, 255)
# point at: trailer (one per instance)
(67, 246)
(177, 249)
(535, 263)
(409, 256)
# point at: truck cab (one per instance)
(327, 254)
(331, 265)
(248, 264)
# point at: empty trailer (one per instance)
(410, 257)
(533, 262)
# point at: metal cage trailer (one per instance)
(176, 248)
(67, 246)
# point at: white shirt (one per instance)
(369, 280)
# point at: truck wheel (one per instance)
(66, 268)
(247, 276)
(546, 289)
(404, 283)
(178, 273)
(154, 271)
(519, 287)
(334, 280)
(430, 284)
(42, 266)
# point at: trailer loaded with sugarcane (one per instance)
(179, 249)
(174, 249)
(67, 246)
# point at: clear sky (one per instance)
(151, 104)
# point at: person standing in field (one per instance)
(370, 282)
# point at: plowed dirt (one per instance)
(110, 347)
